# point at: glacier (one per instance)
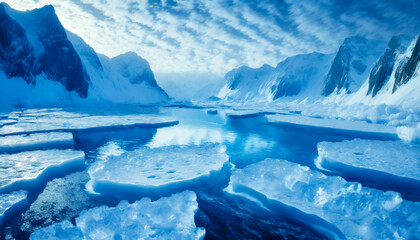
(155, 172)
(358, 212)
(27, 170)
(166, 218)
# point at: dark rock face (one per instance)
(338, 75)
(384, 66)
(52, 55)
(16, 53)
(406, 70)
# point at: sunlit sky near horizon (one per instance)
(214, 36)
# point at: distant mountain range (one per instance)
(35, 48)
(362, 70)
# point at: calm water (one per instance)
(248, 140)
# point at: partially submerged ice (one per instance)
(8, 202)
(394, 164)
(25, 142)
(47, 124)
(340, 124)
(392, 157)
(156, 172)
(28, 170)
(166, 218)
(358, 212)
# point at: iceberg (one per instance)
(335, 124)
(9, 203)
(28, 170)
(156, 172)
(17, 143)
(392, 163)
(358, 212)
(88, 123)
(166, 218)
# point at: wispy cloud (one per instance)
(218, 35)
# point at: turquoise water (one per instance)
(248, 140)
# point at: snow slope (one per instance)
(298, 75)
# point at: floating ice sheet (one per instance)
(85, 123)
(390, 165)
(166, 218)
(8, 201)
(341, 124)
(26, 170)
(158, 171)
(392, 157)
(243, 113)
(358, 212)
(25, 142)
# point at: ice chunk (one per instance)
(359, 212)
(86, 123)
(243, 113)
(10, 201)
(16, 143)
(27, 170)
(159, 171)
(166, 218)
(332, 123)
(392, 163)
(409, 134)
(7, 121)
(63, 198)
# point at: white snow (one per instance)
(86, 123)
(392, 157)
(157, 171)
(409, 134)
(7, 201)
(341, 124)
(25, 169)
(166, 218)
(358, 212)
(35, 141)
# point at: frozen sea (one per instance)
(210, 145)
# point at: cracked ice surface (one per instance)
(160, 170)
(332, 123)
(25, 167)
(359, 212)
(35, 140)
(392, 157)
(84, 123)
(166, 218)
(7, 201)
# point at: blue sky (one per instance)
(214, 36)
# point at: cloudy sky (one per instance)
(214, 36)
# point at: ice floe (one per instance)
(394, 164)
(358, 212)
(166, 218)
(25, 142)
(155, 172)
(27, 170)
(86, 123)
(348, 125)
(10, 201)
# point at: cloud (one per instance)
(183, 36)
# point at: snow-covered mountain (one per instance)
(298, 75)
(362, 71)
(42, 63)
